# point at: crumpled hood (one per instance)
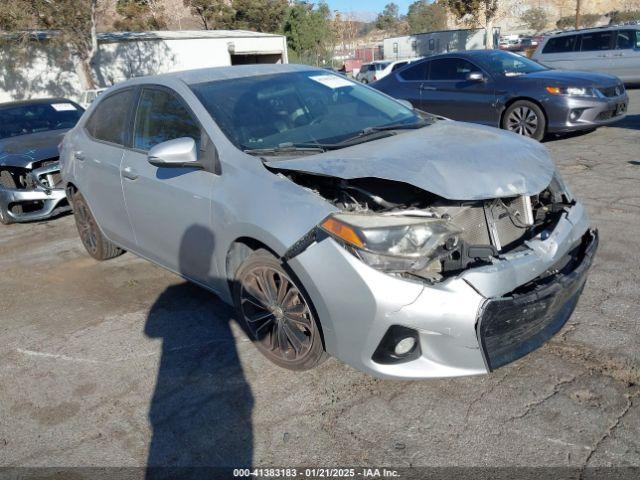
(454, 160)
(23, 150)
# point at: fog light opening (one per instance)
(575, 114)
(404, 346)
(399, 345)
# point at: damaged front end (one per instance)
(34, 193)
(405, 231)
(468, 285)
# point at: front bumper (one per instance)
(566, 114)
(47, 201)
(357, 305)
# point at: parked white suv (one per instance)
(372, 72)
(613, 50)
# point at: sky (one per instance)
(366, 6)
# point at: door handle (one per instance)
(422, 87)
(129, 173)
(79, 156)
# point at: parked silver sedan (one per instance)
(337, 220)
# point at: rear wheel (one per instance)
(525, 118)
(92, 238)
(277, 313)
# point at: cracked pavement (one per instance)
(123, 364)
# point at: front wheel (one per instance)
(525, 118)
(277, 313)
(92, 238)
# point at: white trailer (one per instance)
(38, 69)
(432, 43)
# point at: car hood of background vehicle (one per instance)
(23, 150)
(454, 160)
(574, 79)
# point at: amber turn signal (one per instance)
(553, 90)
(343, 231)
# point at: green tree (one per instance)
(535, 18)
(309, 33)
(389, 18)
(260, 15)
(213, 14)
(74, 23)
(140, 15)
(424, 16)
(480, 12)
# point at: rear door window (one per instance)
(596, 41)
(109, 122)
(560, 44)
(454, 69)
(161, 117)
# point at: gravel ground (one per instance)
(123, 364)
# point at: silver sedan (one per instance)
(337, 220)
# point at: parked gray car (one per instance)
(613, 50)
(336, 220)
(30, 181)
(509, 91)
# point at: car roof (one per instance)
(35, 101)
(212, 74)
(594, 29)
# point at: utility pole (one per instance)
(577, 14)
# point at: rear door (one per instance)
(164, 203)
(625, 62)
(447, 92)
(99, 149)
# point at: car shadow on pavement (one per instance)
(631, 122)
(200, 413)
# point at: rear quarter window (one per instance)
(563, 44)
(110, 119)
(415, 72)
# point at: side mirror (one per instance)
(180, 152)
(406, 103)
(475, 77)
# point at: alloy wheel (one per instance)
(276, 313)
(523, 121)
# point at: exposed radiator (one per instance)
(498, 222)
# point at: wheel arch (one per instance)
(240, 249)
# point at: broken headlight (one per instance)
(392, 243)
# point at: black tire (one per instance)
(525, 118)
(7, 181)
(277, 313)
(365, 81)
(90, 234)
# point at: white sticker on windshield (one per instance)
(332, 81)
(63, 107)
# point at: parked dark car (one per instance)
(30, 132)
(509, 91)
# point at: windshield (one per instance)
(38, 117)
(509, 64)
(312, 107)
